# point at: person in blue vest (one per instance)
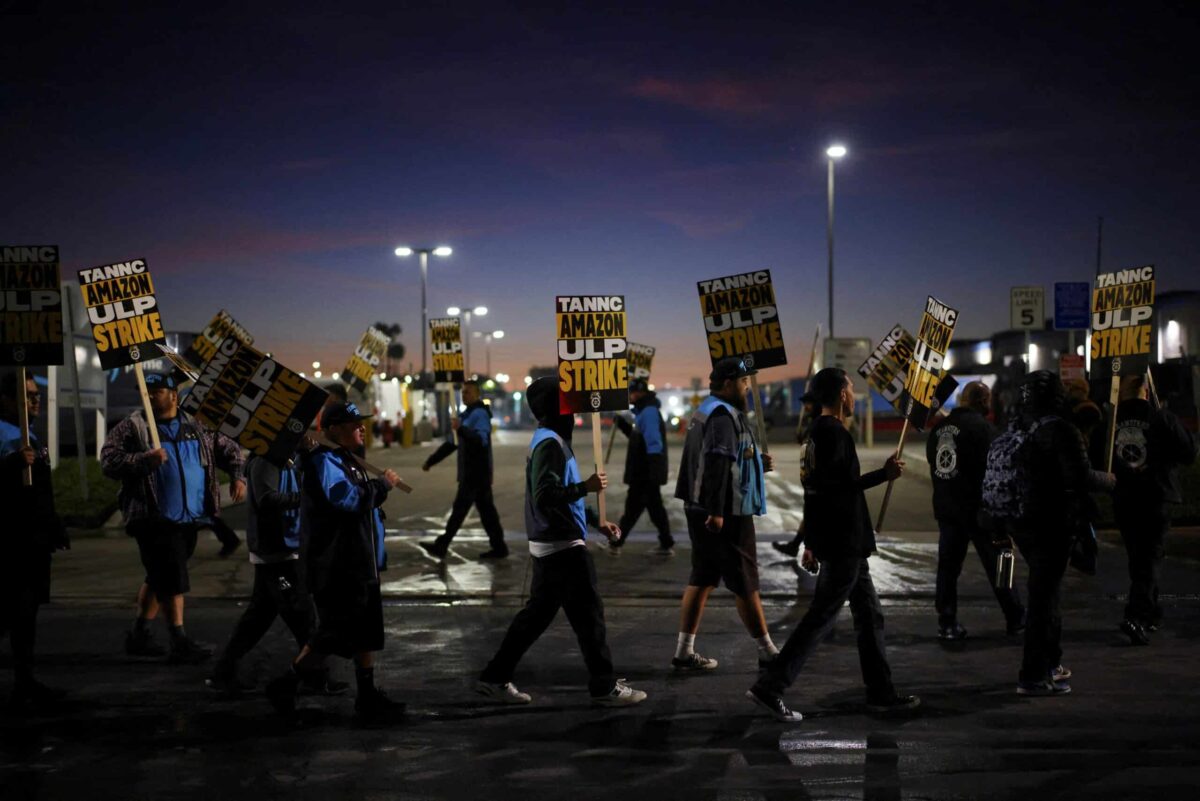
(273, 540)
(564, 576)
(32, 532)
(474, 448)
(839, 535)
(722, 486)
(338, 531)
(167, 494)
(645, 466)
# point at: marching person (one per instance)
(273, 540)
(474, 447)
(32, 533)
(808, 413)
(1150, 447)
(167, 495)
(337, 542)
(839, 535)
(957, 450)
(645, 466)
(564, 576)
(722, 487)
(1055, 487)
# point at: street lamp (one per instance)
(487, 344)
(478, 311)
(441, 251)
(834, 152)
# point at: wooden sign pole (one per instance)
(145, 393)
(598, 453)
(887, 494)
(1153, 391)
(325, 442)
(1114, 394)
(23, 422)
(612, 440)
(758, 415)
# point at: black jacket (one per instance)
(1150, 445)
(1060, 478)
(474, 447)
(337, 522)
(32, 526)
(957, 453)
(642, 467)
(837, 523)
(273, 498)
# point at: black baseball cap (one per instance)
(730, 367)
(342, 413)
(161, 380)
(639, 385)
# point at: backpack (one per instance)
(1007, 485)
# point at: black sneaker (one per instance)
(228, 548)
(434, 549)
(1134, 631)
(186, 651)
(774, 705)
(895, 703)
(693, 663)
(142, 644)
(787, 548)
(494, 554)
(954, 631)
(281, 692)
(375, 706)
(1042, 689)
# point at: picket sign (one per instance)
(597, 450)
(758, 415)
(150, 422)
(887, 494)
(23, 422)
(1114, 394)
(320, 438)
(1153, 391)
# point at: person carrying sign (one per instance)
(722, 487)
(839, 534)
(1150, 447)
(337, 545)
(564, 576)
(957, 454)
(474, 447)
(167, 495)
(645, 466)
(32, 532)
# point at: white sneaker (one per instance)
(506, 693)
(621, 695)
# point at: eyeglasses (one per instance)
(33, 397)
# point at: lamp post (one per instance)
(487, 345)
(404, 252)
(834, 152)
(478, 311)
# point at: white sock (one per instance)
(684, 645)
(765, 646)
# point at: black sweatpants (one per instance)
(1143, 531)
(566, 579)
(646, 496)
(1046, 552)
(840, 580)
(481, 498)
(19, 601)
(278, 592)
(953, 539)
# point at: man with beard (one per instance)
(839, 534)
(722, 488)
(32, 531)
(645, 466)
(1150, 446)
(556, 521)
(337, 545)
(474, 447)
(957, 453)
(167, 495)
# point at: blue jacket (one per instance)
(474, 447)
(554, 492)
(646, 458)
(273, 496)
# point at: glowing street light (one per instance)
(455, 311)
(834, 152)
(441, 251)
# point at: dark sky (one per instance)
(270, 163)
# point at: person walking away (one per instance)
(645, 466)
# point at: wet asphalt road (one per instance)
(140, 729)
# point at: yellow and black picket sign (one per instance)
(887, 368)
(364, 362)
(204, 346)
(1122, 332)
(641, 357)
(593, 361)
(445, 336)
(741, 318)
(123, 312)
(255, 400)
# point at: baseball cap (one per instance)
(160, 381)
(340, 413)
(639, 385)
(730, 367)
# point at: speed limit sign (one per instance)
(1027, 307)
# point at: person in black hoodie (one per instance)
(839, 534)
(474, 449)
(1150, 446)
(957, 453)
(32, 532)
(338, 528)
(645, 465)
(1059, 477)
(564, 576)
